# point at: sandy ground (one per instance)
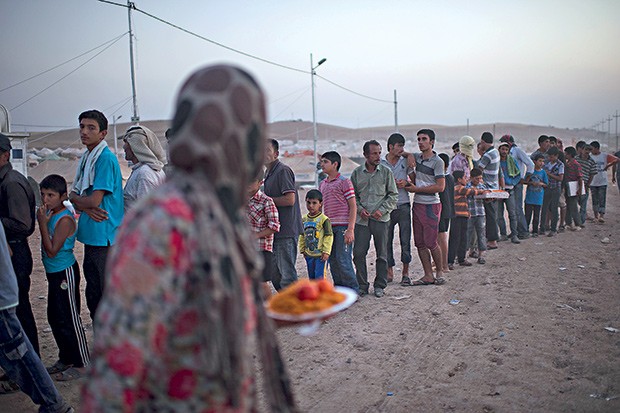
(528, 334)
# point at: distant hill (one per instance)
(299, 135)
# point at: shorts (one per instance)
(426, 225)
(444, 224)
(269, 265)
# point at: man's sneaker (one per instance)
(379, 292)
(515, 240)
(481, 260)
(524, 236)
(561, 228)
(551, 233)
(451, 267)
(465, 263)
(534, 234)
(362, 293)
(503, 238)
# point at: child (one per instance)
(457, 247)
(477, 217)
(264, 222)
(339, 205)
(58, 230)
(572, 176)
(316, 241)
(551, 200)
(536, 182)
(447, 213)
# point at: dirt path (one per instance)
(526, 335)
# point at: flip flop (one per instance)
(71, 373)
(8, 387)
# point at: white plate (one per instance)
(350, 297)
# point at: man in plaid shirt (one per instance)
(264, 222)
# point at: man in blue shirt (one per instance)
(98, 194)
(489, 163)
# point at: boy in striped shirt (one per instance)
(339, 205)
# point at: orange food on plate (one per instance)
(305, 296)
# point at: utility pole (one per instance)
(135, 118)
(616, 116)
(395, 112)
(467, 126)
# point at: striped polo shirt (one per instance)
(489, 163)
(426, 173)
(336, 193)
(588, 168)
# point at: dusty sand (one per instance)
(527, 335)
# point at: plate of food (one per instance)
(308, 300)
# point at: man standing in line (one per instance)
(526, 166)
(598, 186)
(147, 157)
(543, 147)
(376, 195)
(17, 206)
(279, 184)
(428, 181)
(98, 194)
(588, 170)
(401, 216)
(489, 163)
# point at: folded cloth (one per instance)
(85, 175)
(512, 167)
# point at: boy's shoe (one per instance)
(465, 263)
(601, 220)
(406, 281)
(552, 233)
(379, 292)
(481, 260)
(534, 234)
(473, 254)
(582, 226)
(524, 236)
(542, 232)
(362, 293)
(561, 228)
(503, 238)
(515, 240)
(451, 267)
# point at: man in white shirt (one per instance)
(147, 159)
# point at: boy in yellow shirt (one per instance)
(316, 241)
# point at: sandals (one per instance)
(58, 367)
(8, 387)
(406, 281)
(71, 373)
(436, 281)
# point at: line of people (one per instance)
(459, 207)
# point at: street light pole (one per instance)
(114, 119)
(316, 159)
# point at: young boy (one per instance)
(316, 242)
(551, 199)
(536, 182)
(339, 205)
(264, 222)
(477, 217)
(447, 213)
(512, 177)
(58, 231)
(573, 179)
(457, 246)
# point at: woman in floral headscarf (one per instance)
(463, 161)
(182, 305)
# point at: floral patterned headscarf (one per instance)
(217, 147)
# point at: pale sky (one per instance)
(538, 62)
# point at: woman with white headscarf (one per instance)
(182, 308)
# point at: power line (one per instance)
(133, 6)
(63, 63)
(67, 75)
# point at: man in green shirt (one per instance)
(375, 195)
